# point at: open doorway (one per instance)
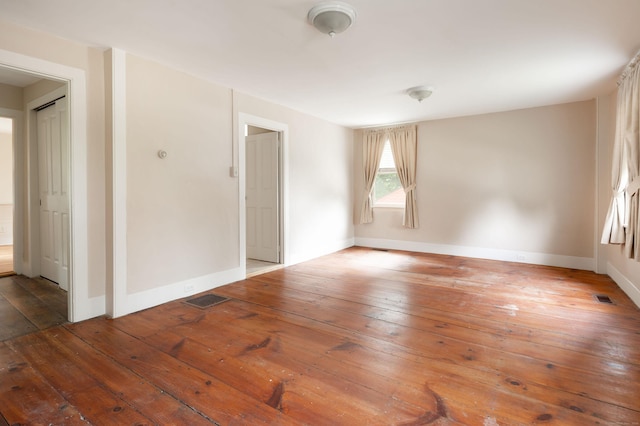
(81, 305)
(29, 301)
(263, 160)
(6, 196)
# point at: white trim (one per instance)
(596, 208)
(573, 262)
(94, 307)
(149, 298)
(117, 298)
(624, 283)
(76, 79)
(252, 120)
(18, 185)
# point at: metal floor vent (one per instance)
(206, 301)
(603, 298)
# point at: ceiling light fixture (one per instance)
(420, 93)
(332, 17)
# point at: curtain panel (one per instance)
(372, 147)
(622, 222)
(404, 148)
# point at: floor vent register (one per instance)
(206, 301)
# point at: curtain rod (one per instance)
(389, 126)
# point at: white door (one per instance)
(53, 172)
(262, 197)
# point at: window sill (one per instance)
(389, 206)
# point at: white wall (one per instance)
(6, 168)
(515, 185)
(6, 189)
(182, 211)
(10, 98)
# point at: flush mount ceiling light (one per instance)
(420, 93)
(332, 17)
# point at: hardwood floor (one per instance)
(360, 337)
(30, 304)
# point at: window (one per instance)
(387, 189)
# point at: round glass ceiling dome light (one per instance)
(420, 93)
(332, 17)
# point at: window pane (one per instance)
(386, 162)
(388, 189)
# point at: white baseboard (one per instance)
(157, 296)
(320, 251)
(624, 283)
(147, 299)
(95, 308)
(585, 263)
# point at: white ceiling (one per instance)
(480, 55)
(17, 78)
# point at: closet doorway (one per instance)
(263, 199)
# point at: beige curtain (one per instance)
(621, 224)
(404, 148)
(372, 147)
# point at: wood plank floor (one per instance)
(29, 304)
(360, 337)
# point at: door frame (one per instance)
(283, 130)
(18, 213)
(80, 305)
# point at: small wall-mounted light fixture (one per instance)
(420, 93)
(162, 154)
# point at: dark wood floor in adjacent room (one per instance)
(29, 304)
(360, 337)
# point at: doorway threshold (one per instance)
(259, 267)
